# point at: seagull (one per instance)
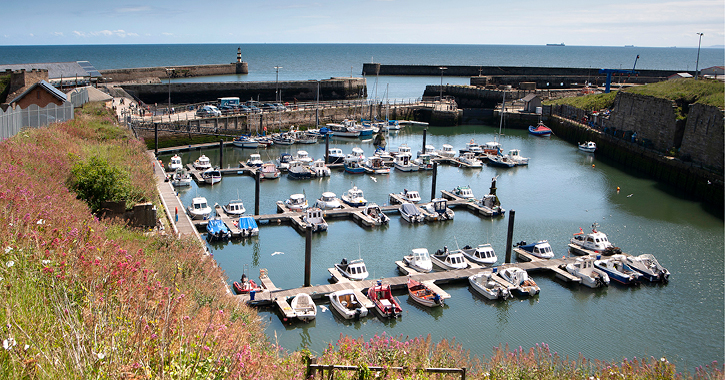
(323, 308)
(374, 179)
(277, 253)
(630, 195)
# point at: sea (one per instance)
(559, 192)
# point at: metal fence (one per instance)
(14, 119)
(79, 96)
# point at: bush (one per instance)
(96, 181)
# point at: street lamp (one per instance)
(276, 85)
(698, 54)
(168, 73)
(441, 69)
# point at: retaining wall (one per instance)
(133, 74)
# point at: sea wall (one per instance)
(197, 92)
(134, 74)
(652, 119)
(702, 141)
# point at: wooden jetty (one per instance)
(471, 204)
(243, 169)
(273, 296)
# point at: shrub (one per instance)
(96, 181)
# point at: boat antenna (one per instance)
(456, 240)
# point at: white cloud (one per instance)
(57, 34)
(167, 34)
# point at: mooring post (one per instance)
(221, 154)
(257, 176)
(433, 185)
(510, 236)
(308, 254)
(156, 139)
(425, 133)
(327, 147)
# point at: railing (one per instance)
(312, 369)
(14, 119)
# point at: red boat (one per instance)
(245, 285)
(385, 303)
(540, 129)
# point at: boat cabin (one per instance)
(463, 192)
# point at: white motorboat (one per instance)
(328, 201)
(373, 211)
(181, 178)
(404, 163)
(403, 149)
(649, 268)
(523, 285)
(313, 217)
(472, 147)
(211, 176)
(346, 303)
(175, 163)
(595, 241)
(234, 207)
(305, 137)
(485, 285)
(283, 161)
(491, 202)
(202, 163)
(588, 146)
(199, 208)
(446, 151)
(284, 139)
(410, 213)
(320, 169)
(358, 152)
(296, 202)
(491, 147)
(354, 270)
(304, 308)
(353, 164)
(302, 156)
(385, 156)
(270, 171)
(429, 150)
(468, 159)
(500, 161)
(354, 197)
(439, 208)
(424, 162)
(255, 160)
(411, 196)
(482, 254)
(617, 269)
(375, 165)
(464, 192)
(335, 155)
(449, 260)
(515, 156)
(299, 170)
(590, 276)
(245, 142)
(541, 249)
(419, 259)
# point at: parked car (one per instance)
(280, 106)
(208, 111)
(226, 110)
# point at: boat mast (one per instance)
(503, 107)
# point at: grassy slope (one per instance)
(682, 90)
(84, 298)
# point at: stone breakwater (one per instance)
(143, 73)
(197, 92)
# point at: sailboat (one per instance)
(494, 147)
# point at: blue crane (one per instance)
(609, 73)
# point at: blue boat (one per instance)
(217, 230)
(353, 164)
(540, 130)
(618, 270)
(248, 226)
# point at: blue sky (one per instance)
(523, 22)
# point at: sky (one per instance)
(646, 23)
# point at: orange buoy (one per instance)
(592, 165)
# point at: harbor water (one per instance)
(561, 190)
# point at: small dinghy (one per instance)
(216, 230)
(484, 284)
(422, 294)
(304, 308)
(588, 146)
(373, 211)
(347, 305)
(246, 285)
(410, 213)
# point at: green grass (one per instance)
(588, 102)
(685, 91)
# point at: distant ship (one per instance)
(561, 44)
(628, 45)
